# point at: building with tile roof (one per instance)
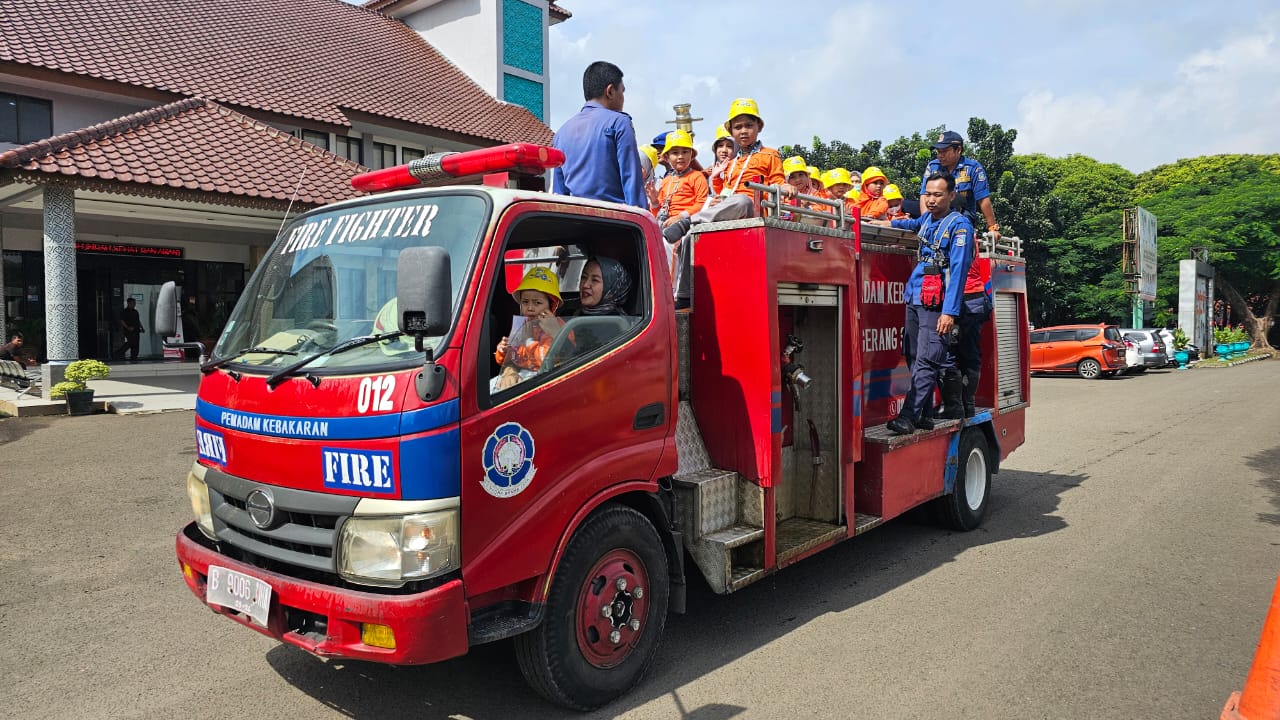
(150, 140)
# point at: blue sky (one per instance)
(1135, 83)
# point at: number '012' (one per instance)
(375, 394)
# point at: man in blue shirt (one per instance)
(972, 192)
(602, 160)
(934, 295)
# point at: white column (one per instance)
(62, 341)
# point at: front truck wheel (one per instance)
(965, 506)
(605, 613)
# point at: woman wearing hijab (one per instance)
(604, 286)
(602, 290)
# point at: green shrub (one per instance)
(1180, 339)
(78, 375)
(64, 387)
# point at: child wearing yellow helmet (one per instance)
(873, 205)
(731, 199)
(893, 195)
(816, 187)
(723, 150)
(754, 162)
(521, 353)
(839, 184)
(683, 190)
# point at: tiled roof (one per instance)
(307, 59)
(193, 145)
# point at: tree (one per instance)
(1230, 205)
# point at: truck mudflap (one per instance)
(327, 621)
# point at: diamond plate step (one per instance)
(863, 522)
(736, 536)
(744, 576)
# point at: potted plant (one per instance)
(1240, 340)
(75, 388)
(1180, 354)
(1221, 341)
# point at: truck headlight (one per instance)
(198, 492)
(394, 550)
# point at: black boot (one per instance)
(901, 425)
(952, 393)
(971, 380)
(926, 417)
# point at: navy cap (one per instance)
(947, 139)
(660, 140)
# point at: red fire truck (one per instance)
(363, 491)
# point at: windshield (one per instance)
(331, 277)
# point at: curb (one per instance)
(1243, 361)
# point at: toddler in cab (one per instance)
(532, 331)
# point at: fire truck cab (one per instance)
(364, 489)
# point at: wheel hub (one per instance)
(611, 608)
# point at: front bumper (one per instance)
(429, 626)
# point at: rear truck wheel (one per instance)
(1089, 369)
(605, 613)
(966, 505)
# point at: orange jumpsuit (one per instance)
(874, 208)
(683, 193)
(530, 346)
(763, 166)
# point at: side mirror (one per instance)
(424, 294)
(424, 297)
(166, 323)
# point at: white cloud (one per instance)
(1122, 86)
(1219, 100)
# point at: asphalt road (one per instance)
(1123, 572)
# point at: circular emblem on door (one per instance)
(261, 508)
(508, 461)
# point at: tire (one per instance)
(1089, 369)
(965, 506)
(569, 659)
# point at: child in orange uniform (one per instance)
(683, 190)
(731, 199)
(893, 195)
(873, 205)
(521, 354)
(839, 185)
(815, 182)
(723, 150)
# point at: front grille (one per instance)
(328, 522)
(304, 531)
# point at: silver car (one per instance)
(1151, 348)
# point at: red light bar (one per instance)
(517, 157)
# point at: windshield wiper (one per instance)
(341, 347)
(211, 366)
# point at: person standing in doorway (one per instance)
(602, 160)
(131, 326)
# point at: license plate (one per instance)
(240, 592)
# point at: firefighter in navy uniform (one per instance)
(934, 295)
(972, 195)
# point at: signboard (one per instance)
(1139, 265)
(102, 248)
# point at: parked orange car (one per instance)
(1090, 351)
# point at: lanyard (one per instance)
(666, 202)
(745, 163)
